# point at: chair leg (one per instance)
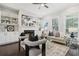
(43, 49)
(26, 50)
(19, 46)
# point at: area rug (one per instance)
(56, 49)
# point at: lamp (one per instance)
(73, 41)
(72, 30)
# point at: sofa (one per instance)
(61, 40)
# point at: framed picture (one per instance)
(10, 28)
(29, 21)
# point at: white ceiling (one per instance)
(53, 7)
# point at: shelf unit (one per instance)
(9, 24)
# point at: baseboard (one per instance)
(9, 43)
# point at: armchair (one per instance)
(27, 45)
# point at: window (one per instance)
(55, 24)
(72, 25)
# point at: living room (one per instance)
(55, 23)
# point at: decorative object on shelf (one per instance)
(31, 24)
(24, 20)
(3, 21)
(26, 24)
(10, 28)
(14, 21)
(8, 21)
(25, 17)
(34, 21)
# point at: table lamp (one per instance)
(72, 30)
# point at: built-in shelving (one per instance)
(8, 23)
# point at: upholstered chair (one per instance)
(35, 51)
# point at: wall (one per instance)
(7, 37)
(13, 36)
(21, 28)
(74, 10)
(49, 19)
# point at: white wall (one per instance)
(22, 28)
(49, 20)
(61, 21)
(74, 10)
(7, 37)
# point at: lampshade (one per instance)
(42, 29)
(72, 29)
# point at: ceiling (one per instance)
(53, 7)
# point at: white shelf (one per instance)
(8, 24)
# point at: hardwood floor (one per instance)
(11, 50)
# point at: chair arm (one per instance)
(22, 37)
(35, 43)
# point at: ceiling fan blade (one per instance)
(46, 6)
(41, 4)
(36, 3)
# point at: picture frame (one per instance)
(10, 28)
(29, 21)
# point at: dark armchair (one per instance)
(29, 51)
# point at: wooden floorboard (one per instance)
(11, 50)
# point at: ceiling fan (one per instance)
(41, 5)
